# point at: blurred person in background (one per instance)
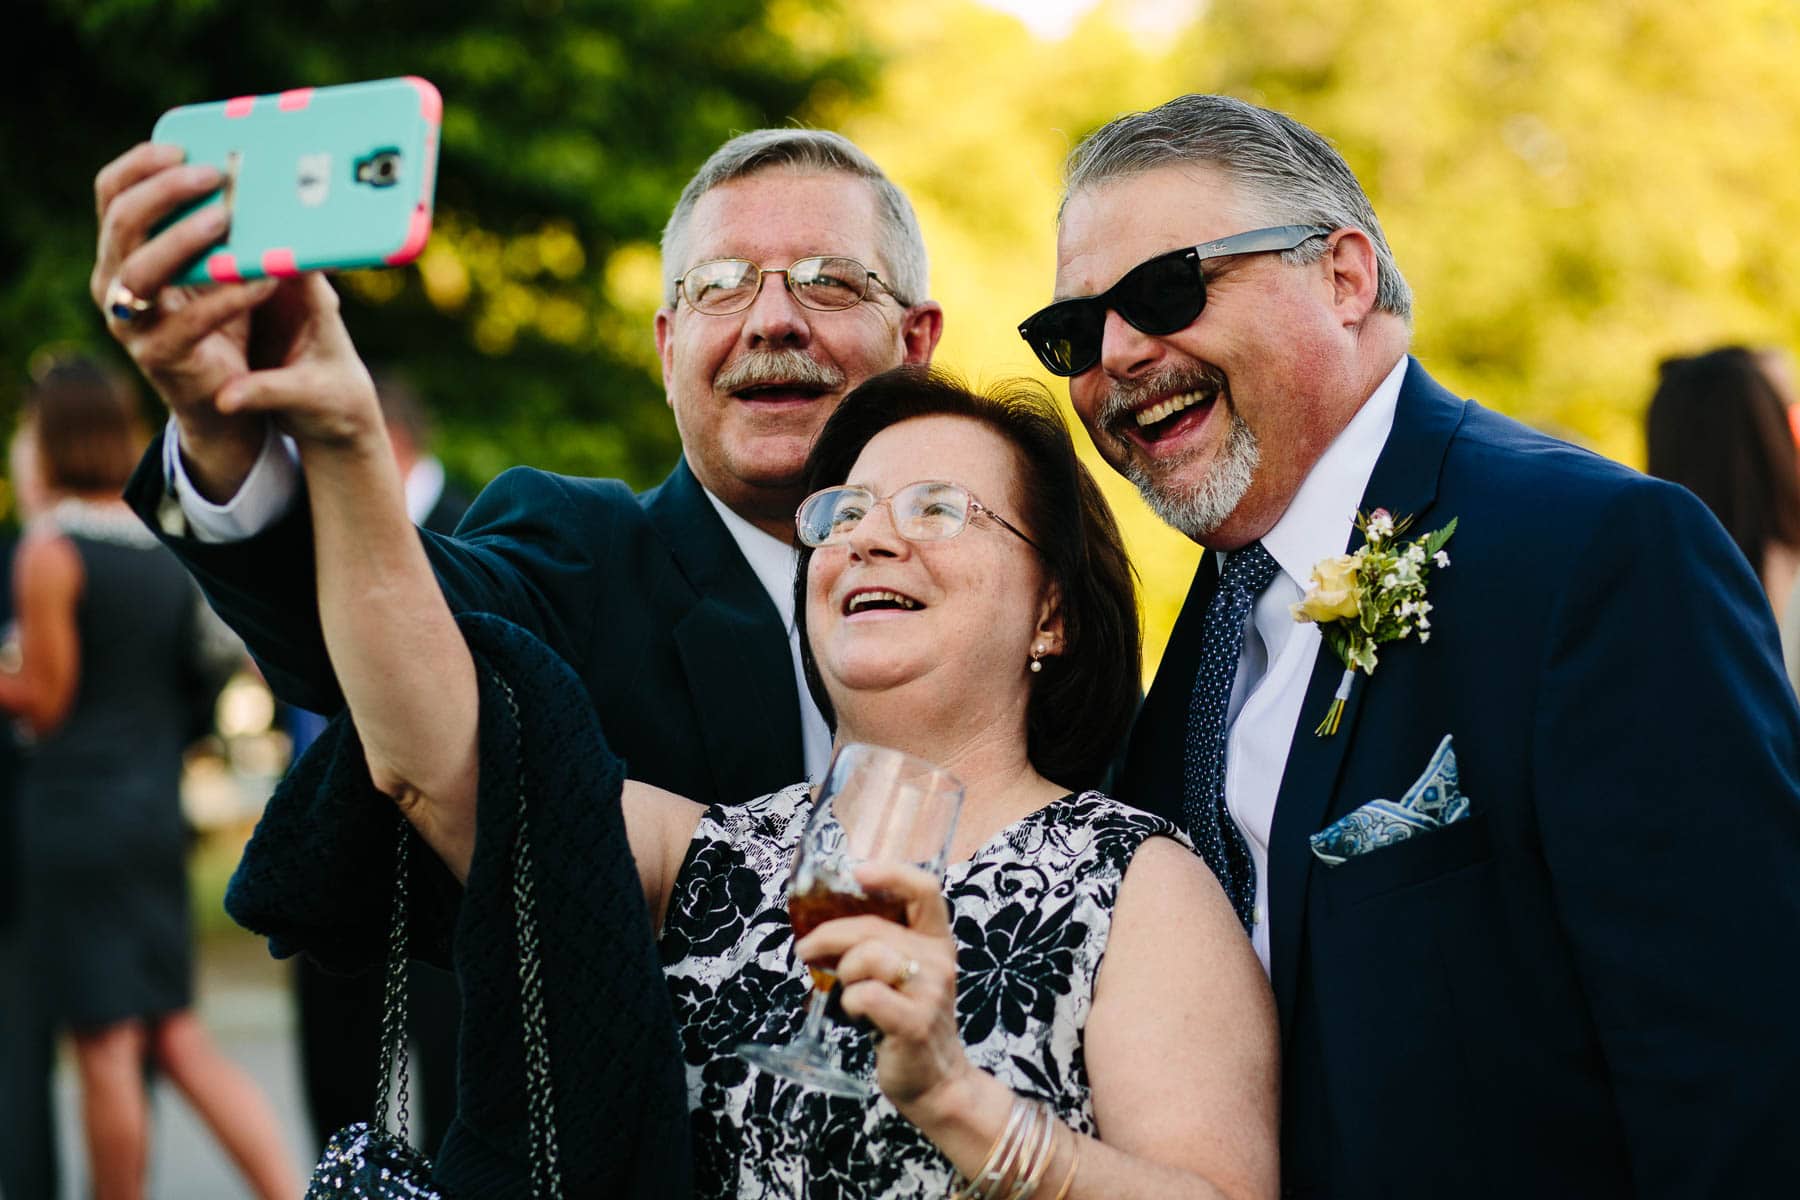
(27, 1035)
(1717, 425)
(114, 680)
(432, 501)
(1778, 364)
(340, 1015)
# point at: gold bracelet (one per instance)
(1014, 1154)
(1040, 1161)
(1074, 1163)
(966, 1189)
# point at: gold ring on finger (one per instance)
(904, 975)
(123, 304)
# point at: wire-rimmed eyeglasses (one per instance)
(930, 510)
(825, 282)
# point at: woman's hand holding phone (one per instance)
(191, 342)
(210, 240)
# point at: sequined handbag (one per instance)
(367, 1161)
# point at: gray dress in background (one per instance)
(102, 837)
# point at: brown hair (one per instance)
(88, 432)
(1717, 426)
(1083, 701)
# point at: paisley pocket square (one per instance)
(1432, 801)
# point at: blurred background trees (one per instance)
(1573, 190)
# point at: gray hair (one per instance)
(903, 264)
(1290, 173)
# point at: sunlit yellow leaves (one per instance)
(1574, 191)
(559, 250)
(634, 279)
(445, 277)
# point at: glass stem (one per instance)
(813, 1032)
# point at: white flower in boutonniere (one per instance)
(1375, 595)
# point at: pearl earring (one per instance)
(1037, 653)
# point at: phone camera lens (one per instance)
(381, 169)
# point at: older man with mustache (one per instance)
(794, 270)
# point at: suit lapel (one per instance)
(733, 648)
(1405, 482)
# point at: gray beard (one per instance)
(1202, 510)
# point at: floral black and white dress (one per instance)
(1030, 912)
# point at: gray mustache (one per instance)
(768, 368)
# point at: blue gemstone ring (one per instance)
(124, 304)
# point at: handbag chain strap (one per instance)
(546, 1173)
(393, 1001)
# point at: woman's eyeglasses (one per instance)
(927, 511)
(1158, 296)
(824, 282)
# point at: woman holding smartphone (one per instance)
(1081, 1017)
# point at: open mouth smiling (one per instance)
(865, 600)
(1166, 418)
(779, 393)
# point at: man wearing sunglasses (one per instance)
(1581, 984)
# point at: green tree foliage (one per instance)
(569, 128)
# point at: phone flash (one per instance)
(314, 183)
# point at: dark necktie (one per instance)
(1247, 572)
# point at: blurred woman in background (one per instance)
(1717, 425)
(113, 681)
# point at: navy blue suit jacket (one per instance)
(1590, 986)
(646, 596)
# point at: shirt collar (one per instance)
(1317, 523)
(772, 559)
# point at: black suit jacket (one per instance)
(1589, 987)
(646, 596)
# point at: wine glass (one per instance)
(876, 805)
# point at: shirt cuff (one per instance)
(263, 499)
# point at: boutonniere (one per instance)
(1375, 595)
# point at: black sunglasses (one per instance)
(1158, 296)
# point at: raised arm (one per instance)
(402, 664)
(405, 671)
(197, 344)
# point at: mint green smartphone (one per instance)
(315, 178)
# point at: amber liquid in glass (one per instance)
(818, 904)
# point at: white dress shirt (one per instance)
(273, 483)
(260, 500)
(1277, 662)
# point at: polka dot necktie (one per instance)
(1247, 572)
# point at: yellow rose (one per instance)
(1332, 593)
